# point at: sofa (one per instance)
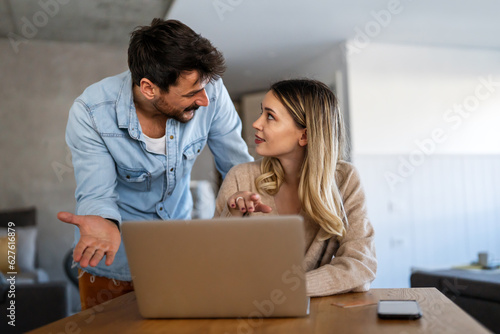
(477, 292)
(36, 300)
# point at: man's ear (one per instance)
(148, 89)
(303, 138)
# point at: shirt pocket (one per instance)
(137, 179)
(190, 153)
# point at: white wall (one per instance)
(429, 171)
(406, 92)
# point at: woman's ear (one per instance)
(148, 88)
(303, 138)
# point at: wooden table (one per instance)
(440, 315)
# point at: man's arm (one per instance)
(224, 138)
(96, 197)
(98, 237)
(95, 170)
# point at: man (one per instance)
(134, 138)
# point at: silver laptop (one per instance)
(218, 268)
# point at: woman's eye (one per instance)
(269, 116)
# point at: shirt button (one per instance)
(171, 137)
(198, 151)
(128, 176)
(161, 209)
(171, 169)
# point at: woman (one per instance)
(300, 134)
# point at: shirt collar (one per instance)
(125, 108)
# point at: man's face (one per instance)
(183, 98)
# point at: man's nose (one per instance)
(202, 99)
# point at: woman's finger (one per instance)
(240, 202)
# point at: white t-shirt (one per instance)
(156, 145)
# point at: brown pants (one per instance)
(95, 290)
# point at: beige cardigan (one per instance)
(331, 266)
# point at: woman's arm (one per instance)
(236, 197)
(229, 187)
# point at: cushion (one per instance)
(203, 199)
(25, 247)
(4, 256)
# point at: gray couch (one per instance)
(476, 292)
(37, 301)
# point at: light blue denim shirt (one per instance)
(118, 178)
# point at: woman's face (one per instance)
(277, 134)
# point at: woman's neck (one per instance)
(292, 168)
(287, 199)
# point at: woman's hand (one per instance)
(246, 201)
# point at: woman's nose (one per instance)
(257, 125)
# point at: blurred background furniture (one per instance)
(477, 292)
(25, 227)
(37, 301)
(203, 199)
(36, 304)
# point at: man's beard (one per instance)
(179, 115)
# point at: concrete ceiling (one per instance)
(100, 21)
(263, 40)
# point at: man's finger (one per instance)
(98, 255)
(78, 251)
(110, 257)
(87, 255)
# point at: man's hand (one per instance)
(246, 201)
(98, 237)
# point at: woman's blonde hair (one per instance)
(313, 106)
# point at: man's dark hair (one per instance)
(162, 51)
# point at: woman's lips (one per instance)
(258, 140)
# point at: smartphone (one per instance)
(399, 309)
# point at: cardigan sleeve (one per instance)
(229, 187)
(354, 265)
(239, 178)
